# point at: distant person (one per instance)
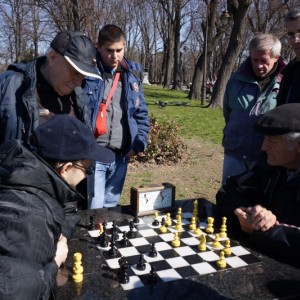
(119, 115)
(264, 202)
(32, 92)
(250, 92)
(289, 91)
(36, 216)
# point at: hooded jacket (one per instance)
(269, 187)
(19, 102)
(34, 212)
(244, 102)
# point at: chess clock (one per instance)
(146, 199)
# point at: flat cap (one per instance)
(280, 120)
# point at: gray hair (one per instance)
(266, 41)
(292, 15)
(292, 139)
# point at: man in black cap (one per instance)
(49, 85)
(37, 195)
(265, 201)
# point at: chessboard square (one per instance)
(160, 265)
(204, 268)
(94, 233)
(209, 256)
(125, 228)
(168, 275)
(144, 248)
(113, 263)
(134, 282)
(250, 259)
(184, 251)
(132, 260)
(190, 241)
(239, 250)
(203, 225)
(162, 246)
(183, 235)
(154, 239)
(193, 259)
(173, 229)
(140, 227)
(129, 251)
(185, 221)
(235, 262)
(177, 262)
(147, 232)
(141, 272)
(169, 253)
(139, 241)
(150, 259)
(187, 271)
(167, 237)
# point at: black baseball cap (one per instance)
(78, 50)
(280, 120)
(64, 138)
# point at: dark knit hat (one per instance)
(78, 50)
(280, 120)
(65, 138)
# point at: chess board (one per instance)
(171, 263)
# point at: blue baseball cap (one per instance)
(65, 138)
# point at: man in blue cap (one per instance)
(37, 195)
(265, 201)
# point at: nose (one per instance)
(265, 145)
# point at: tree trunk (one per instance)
(234, 48)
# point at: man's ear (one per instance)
(64, 168)
(52, 55)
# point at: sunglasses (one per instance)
(89, 170)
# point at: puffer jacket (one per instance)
(243, 103)
(133, 97)
(19, 113)
(269, 187)
(34, 212)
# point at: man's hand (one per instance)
(244, 219)
(262, 219)
(61, 251)
(255, 218)
(130, 154)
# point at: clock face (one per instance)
(152, 200)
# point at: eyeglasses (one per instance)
(89, 170)
(291, 37)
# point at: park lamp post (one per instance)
(225, 19)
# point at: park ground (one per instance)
(197, 175)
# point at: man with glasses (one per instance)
(290, 88)
(37, 195)
(34, 91)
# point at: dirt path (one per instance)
(197, 175)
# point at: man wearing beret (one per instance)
(264, 202)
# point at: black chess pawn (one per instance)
(124, 240)
(113, 250)
(163, 221)
(131, 233)
(141, 264)
(136, 220)
(153, 275)
(153, 252)
(122, 260)
(124, 278)
(92, 222)
(102, 239)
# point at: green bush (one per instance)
(164, 143)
